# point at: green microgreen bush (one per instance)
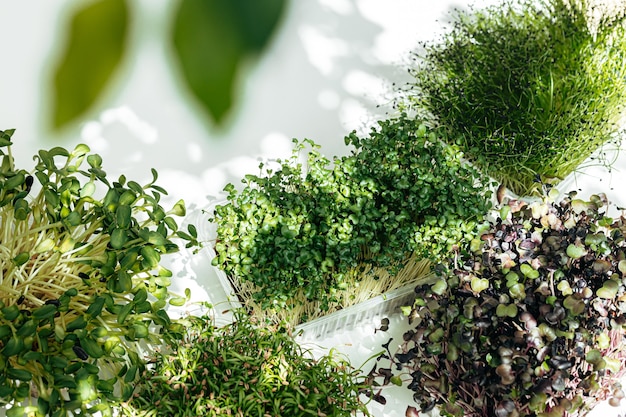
(527, 88)
(244, 369)
(309, 232)
(82, 288)
(426, 197)
(527, 320)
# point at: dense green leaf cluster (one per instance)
(81, 282)
(244, 369)
(293, 228)
(303, 227)
(425, 197)
(527, 87)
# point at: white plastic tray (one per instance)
(354, 316)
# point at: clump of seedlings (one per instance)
(516, 83)
(82, 288)
(527, 320)
(321, 233)
(243, 369)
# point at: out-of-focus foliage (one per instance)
(93, 50)
(210, 40)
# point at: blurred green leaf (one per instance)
(212, 39)
(93, 49)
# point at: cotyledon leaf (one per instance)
(93, 49)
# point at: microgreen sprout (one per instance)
(244, 369)
(363, 283)
(82, 288)
(311, 237)
(527, 87)
(543, 333)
